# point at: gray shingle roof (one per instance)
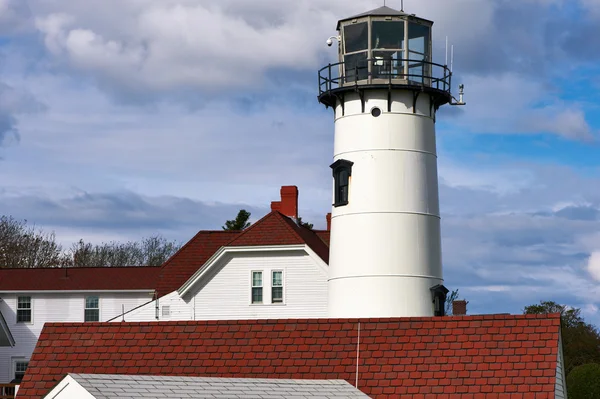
(109, 386)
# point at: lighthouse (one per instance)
(385, 249)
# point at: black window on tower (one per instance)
(342, 170)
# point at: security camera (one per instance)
(329, 42)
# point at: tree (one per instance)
(239, 223)
(583, 382)
(24, 247)
(449, 299)
(581, 341)
(152, 251)
(305, 224)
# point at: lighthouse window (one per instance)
(356, 46)
(356, 66)
(387, 35)
(356, 37)
(418, 51)
(342, 170)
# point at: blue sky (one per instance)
(123, 119)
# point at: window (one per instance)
(277, 287)
(24, 309)
(342, 170)
(20, 368)
(356, 37)
(439, 293)
(92, 308)
(166, 310)
(356, 46)
(257, 287)
(418, 51)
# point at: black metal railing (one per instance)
(390, 71)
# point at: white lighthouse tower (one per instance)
(385, 252)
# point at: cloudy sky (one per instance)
(120, 119)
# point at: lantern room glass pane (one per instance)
(356, 37)
(356, 66)
(418, 38)
(387, 35)
(386, 63)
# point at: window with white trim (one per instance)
(277, 286)
(20, 366)
(166, 311)
(257, 287)
(92, 308)
(24, 309)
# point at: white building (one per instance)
(274, 269)
(31, 297)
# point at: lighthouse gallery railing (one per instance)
(386, 71)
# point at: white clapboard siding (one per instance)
(178, 310)
(226, 295)
(55, 307)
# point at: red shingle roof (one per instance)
(79, 278)
(277, 229)
(452, 357)
(324, 235)
(273, 229)
(191, 257)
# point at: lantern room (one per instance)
(398, 45)
(385, 47)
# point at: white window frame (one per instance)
(85, 308)
(15, 361)
(30, 310)
(282, 301)
(166, 311)
(262, 287)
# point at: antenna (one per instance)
(446, 51)
(451, 58)
(402, 5)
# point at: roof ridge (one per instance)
(289, 220)
(276, 214)
(375, 320)
(71, 268)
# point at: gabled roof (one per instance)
(277, 229)
(110, 386)
(448, 357)
(79, 279)
(191, 257)
(273, 229)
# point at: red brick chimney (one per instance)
(328, 217)
(459, 307)
(289, 202)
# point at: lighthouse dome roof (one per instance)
(382, 11)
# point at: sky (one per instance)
(121, 119)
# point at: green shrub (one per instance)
(583, 382)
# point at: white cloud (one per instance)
(593, 265)
(163, 45)
(592, 6)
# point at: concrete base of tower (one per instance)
(381, 296)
